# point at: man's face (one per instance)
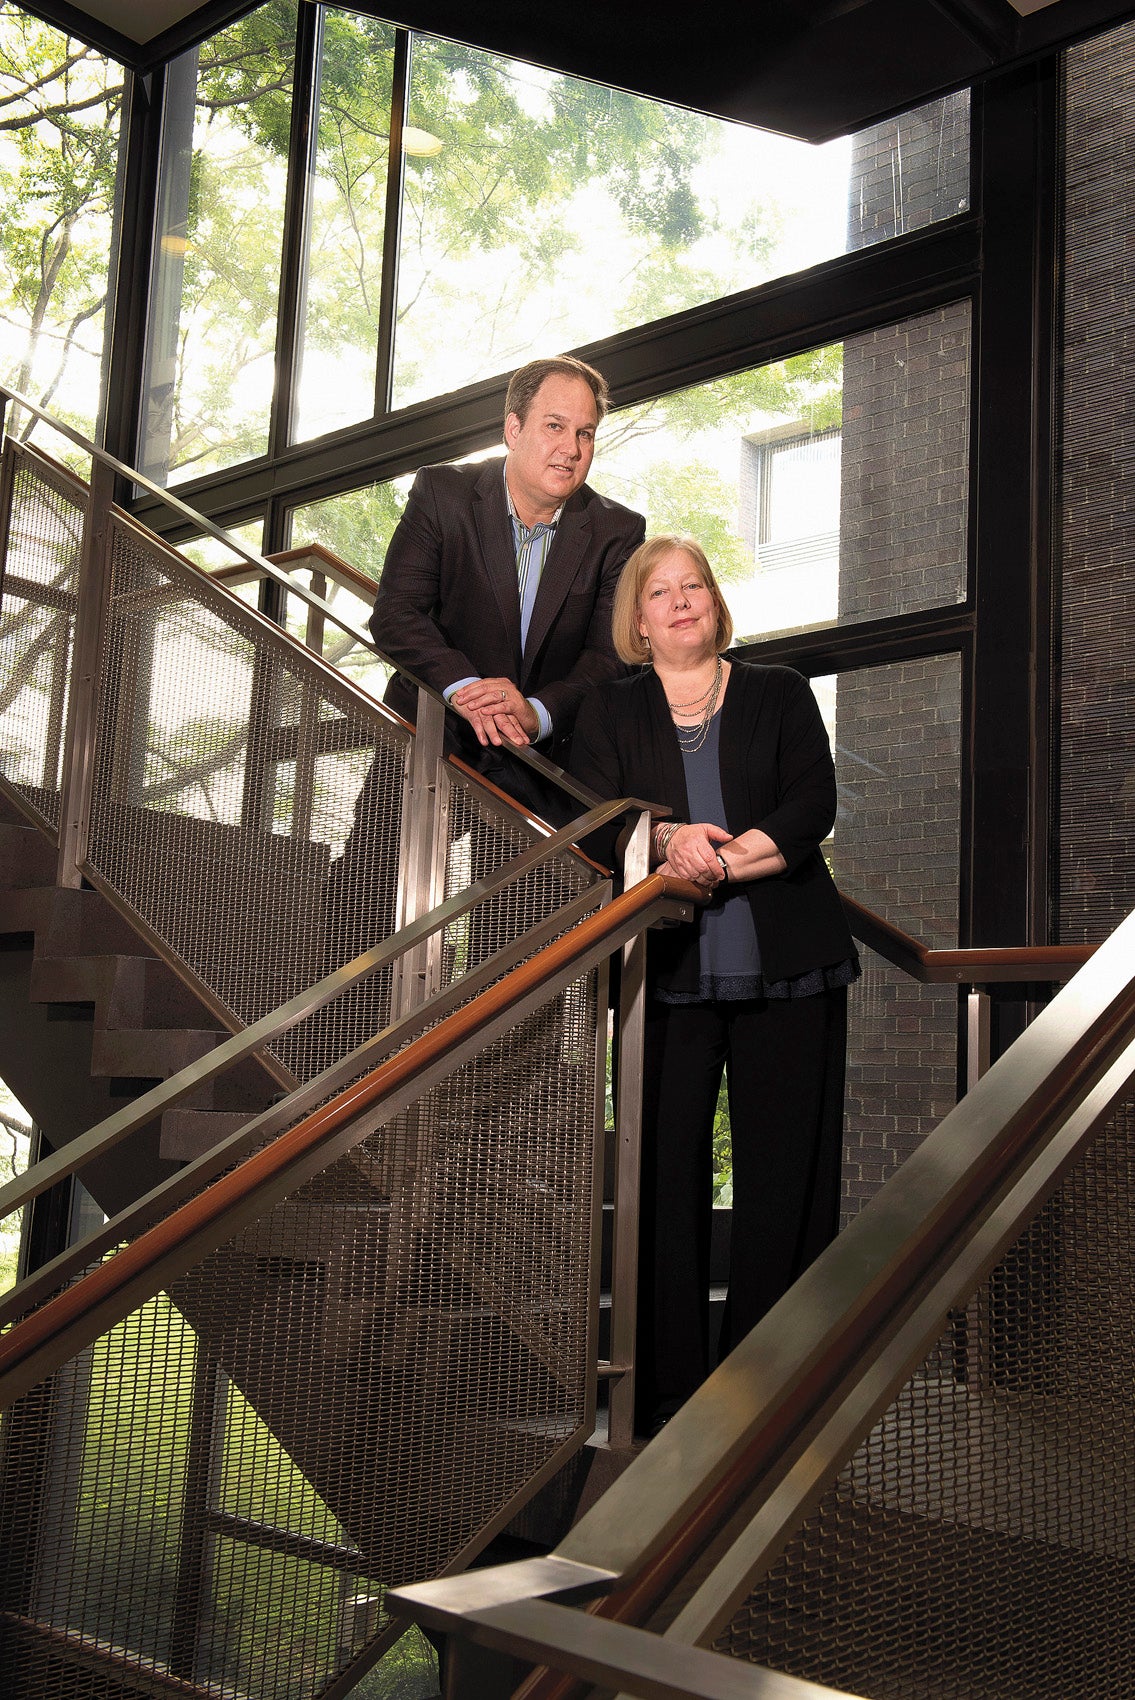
(549, 455)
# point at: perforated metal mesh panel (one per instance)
(249, 808)
(215, 1497)
(37, 619)
(979, 1545)
(482, 836)
(337, 1400)
(226, 775)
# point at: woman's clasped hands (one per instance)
(691, 851)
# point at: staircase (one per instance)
(380, 1360)
(90, 1018)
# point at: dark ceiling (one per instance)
(810, 68)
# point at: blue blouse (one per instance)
(729, 967)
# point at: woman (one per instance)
(758, 987)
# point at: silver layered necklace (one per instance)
(691, 738)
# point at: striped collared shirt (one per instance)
(531, 545)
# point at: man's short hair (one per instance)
(526, 380)
(630, 645)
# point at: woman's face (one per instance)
(676, 610)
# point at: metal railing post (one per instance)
(313, 632)
(977, 1035)
(630, 1026)
(422, 854)
(82, 715)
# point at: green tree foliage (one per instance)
(691, 495)
(219, 260)
(15, 1146)
(59, 114)
(675, 457)
(529, 162)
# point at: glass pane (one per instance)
(211, 355)
(58, 158)
(827, 488)
(357, 527)
(212, 555)
(896, 737)
(15, 1156)
(346, 220)
(337, 647)
(909, 171)
(545, 212)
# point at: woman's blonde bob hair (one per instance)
(629, 641)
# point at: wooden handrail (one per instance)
(335, 565)
(1007, 964)
(877, 1292)
(127, 1267)
(352, 578)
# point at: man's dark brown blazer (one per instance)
(448, 606)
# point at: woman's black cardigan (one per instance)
(776, 774)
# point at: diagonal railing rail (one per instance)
(269, 799)
(261, 823)
(368, 1199)
(148, 1106)
(813, 1506)
(160, 1253)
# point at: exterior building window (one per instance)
(62, 106)
(827, 489)
(789, 517)
(210, 368)
(533, 211)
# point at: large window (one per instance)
(524, 211)
(827, 489)
(61, 104)
(346, 224)
(556, 212)
(211, 365)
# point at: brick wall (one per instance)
(896, 846)
(909, 171)
(903, 486)
(903, 532)
(1097, 731)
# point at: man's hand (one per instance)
(497, 712)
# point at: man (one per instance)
(498, 582)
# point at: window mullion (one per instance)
(302, 145)
(392, 228)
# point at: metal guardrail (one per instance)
(152, 1104)
(357, 1256)
(850, 1398)
(83, 784)
(106, 469)
(409, 1067)
(446, 1258)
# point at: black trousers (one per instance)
(785, 1062)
